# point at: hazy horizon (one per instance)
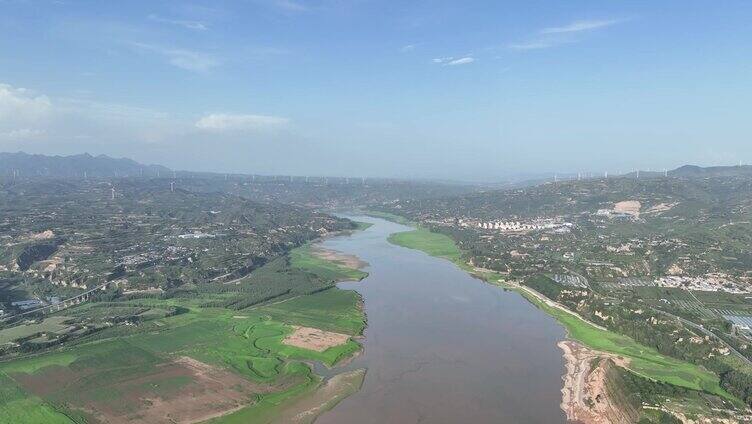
(448, 90)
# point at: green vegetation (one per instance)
(331, 310)
(149, 237)
(248, 342)
(236, 327)
(19, 406)
(303, 258)
(292, 404)
(49, 325)
(644, 361)
(362, 226)
(631, 391)
(434, 244)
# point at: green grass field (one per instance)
(434, 244)
(331, 310)
(53, 324)
(303, 258)
(644, 360)
(19, 406)
(248, 342)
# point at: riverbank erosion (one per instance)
(586, 397)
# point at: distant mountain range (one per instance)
(694, 171)
(711, 171)
(26, 165)
(685, 171)
(36, 165)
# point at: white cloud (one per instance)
(222, 122)
(408, 48)
(290, 5)
(26, 116)
(182, 58)
(453, 61)
(461, 61)
(566, 34)
(20, 104)
(535, 45)
(22, 134)
(194, 25)
(579, 26)
(77, 124)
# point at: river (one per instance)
(444, 347)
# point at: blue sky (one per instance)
(442, 89)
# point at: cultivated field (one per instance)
(223, 364)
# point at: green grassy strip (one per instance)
(434, 244)
(390, 217)
(362, 226)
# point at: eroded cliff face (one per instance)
(587, 396)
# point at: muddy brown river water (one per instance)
(444, 347)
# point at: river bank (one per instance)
(639, 359)
(585, 397)
(432, 346)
